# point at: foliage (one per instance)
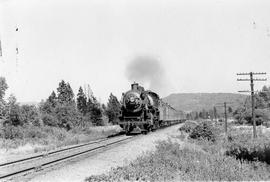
(203, 114)
(14, 113)
(52, 100)
(94, 111)
(48, 138)
(49, 119)
(12, 132)
(172, 163)
(30, 115)
(188, 126)
(244, 147)
(81, 101)
(66, 116)
(244, 116)
(113, 109)
(203, 131)
(262, 113)
(3, 87)
(60, 111)
(265, 95)
(64, 93)
(230, 110)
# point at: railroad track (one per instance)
(22, 167)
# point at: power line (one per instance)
(251, 79)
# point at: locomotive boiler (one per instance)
(143, 111)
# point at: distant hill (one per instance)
(198, 101)
(29, 103)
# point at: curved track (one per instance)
(35, 163)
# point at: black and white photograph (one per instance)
(134, 90)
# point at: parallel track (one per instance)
(21, 167)
(12, 169)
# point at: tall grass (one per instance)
(244, 147)
(47, 137)
(172, 163)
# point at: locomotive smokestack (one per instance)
(134, 86)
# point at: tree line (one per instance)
(207, 114)
(61, 109)
(262, 109)
(242, 113)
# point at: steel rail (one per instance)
(49, 153)
(54, 161)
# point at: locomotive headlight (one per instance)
(132, 99)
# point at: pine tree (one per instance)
(65, 93)
(264, 97)
(61, 110)
(52, 99)
(70, 95)
(196, 115)
(14, 112)
(230, 110)
(49, 105)
(61, 92)
(81, 101)
(3, 88)
(113, 109)
(94, 111)
(215, 113)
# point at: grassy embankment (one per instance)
(216, 158)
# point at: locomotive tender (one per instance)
(143, 111)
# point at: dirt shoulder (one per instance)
(103, 162)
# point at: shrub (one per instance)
(67, 116)
(244, 147)
(12, 132)
(188, 126)
(34, 132)
(203, 131)
(49, 120)
(30, 115)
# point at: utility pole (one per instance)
(215, 115)
(225, 115)
(251, 79)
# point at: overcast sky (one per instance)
(197, 46)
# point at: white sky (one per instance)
(201, 44)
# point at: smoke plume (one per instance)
(149, 72)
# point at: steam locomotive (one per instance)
(143, 111)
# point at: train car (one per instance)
(143, 111)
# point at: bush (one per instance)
(12, 132)
(49, 120)
(244, 147)
(30, 115)
(34, 132)
(188, 126)
(67, 116)
(203, 131)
